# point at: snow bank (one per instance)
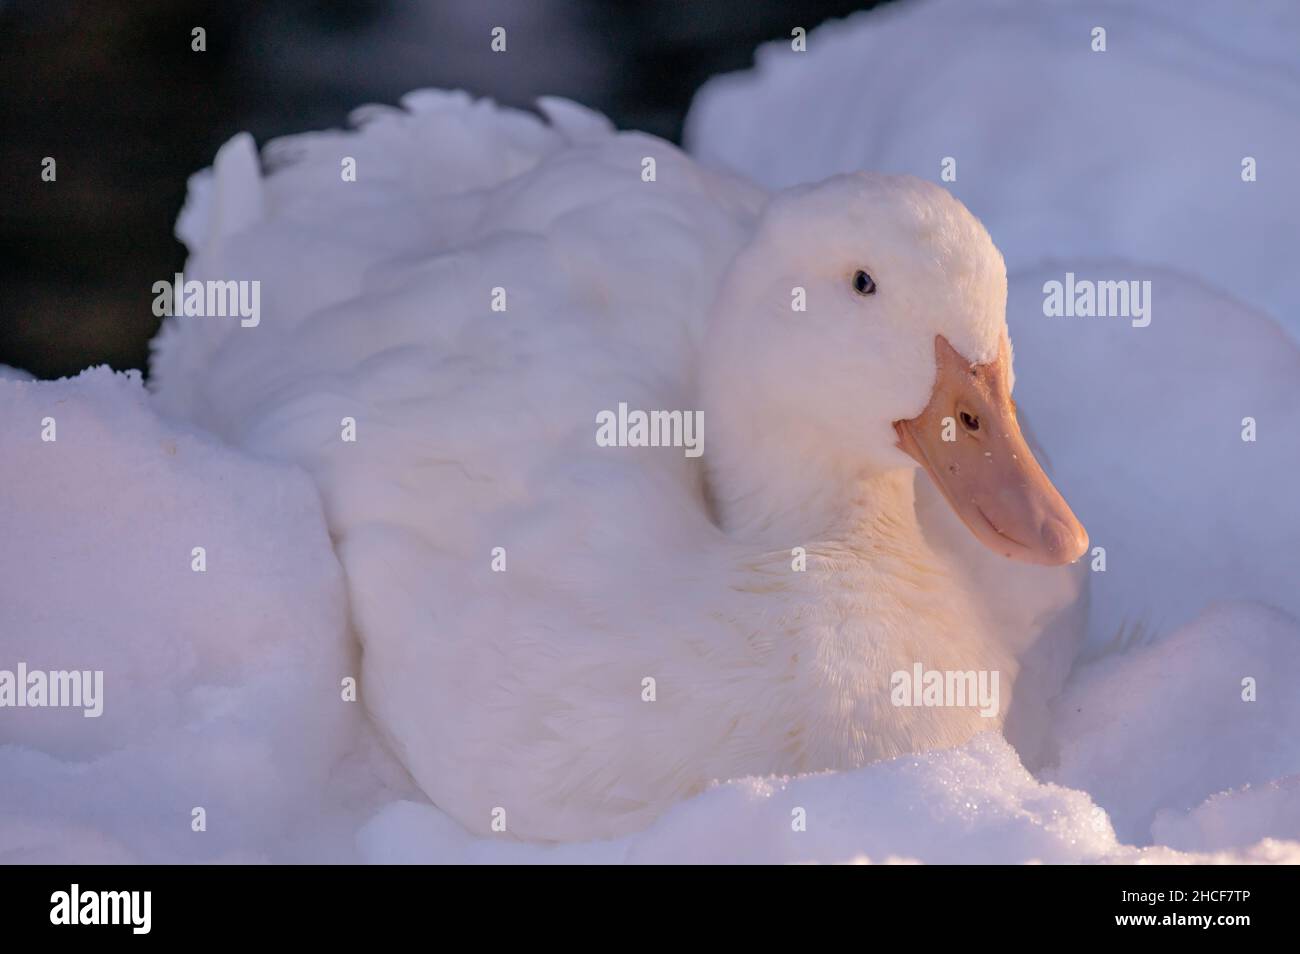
(1236, 817)
(972, 803)
(1135, 152)
(975, 804)
(221, 689)
(1143, 428)
(1161, 728)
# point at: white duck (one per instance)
(521, 678)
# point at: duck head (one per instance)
(864, 330)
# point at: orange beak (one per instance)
(969, 442)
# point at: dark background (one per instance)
(112, 90)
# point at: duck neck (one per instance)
(769, 490)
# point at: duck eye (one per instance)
(863, 283)
(970, 421)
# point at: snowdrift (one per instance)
(222, 692)
(1178, 739)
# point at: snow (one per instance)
(1061, 152)
(223, 689)
(1236, 817)
(1163, 727)
(971, 804)
(1143, 430)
